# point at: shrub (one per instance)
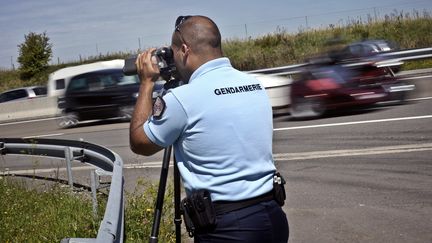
(34, 55)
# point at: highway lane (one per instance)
(349, 130)
(363, 177)
(358, 176)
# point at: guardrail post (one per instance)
(2, 149)
(94, 180)
(69, 157)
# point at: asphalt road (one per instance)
(355, 176)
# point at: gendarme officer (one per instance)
(220, 125)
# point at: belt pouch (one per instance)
(199, 208)
(279, 189)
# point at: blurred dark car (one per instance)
(23, 93)
(99, 95)
(358, 54)
(367, 48)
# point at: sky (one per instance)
(85, 28)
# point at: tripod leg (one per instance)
(177, 216)
(160, 196)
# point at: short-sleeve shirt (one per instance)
(221, 127)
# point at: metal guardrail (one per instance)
(112, 225)
(396, 56)
(410, 54)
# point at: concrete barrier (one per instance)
(42, 107)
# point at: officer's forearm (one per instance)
(139, 142)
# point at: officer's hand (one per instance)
(148, 70)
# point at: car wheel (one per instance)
(398, 98)
(125, 112)
(307, 108)
(69, 120)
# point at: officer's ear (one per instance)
(185, 49)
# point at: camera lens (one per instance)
(165, 53)
(129, 67)
(165, 62)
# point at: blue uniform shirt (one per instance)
(220, 125)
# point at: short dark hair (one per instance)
(200, 32)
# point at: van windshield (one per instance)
(128, 80)
(100, 80)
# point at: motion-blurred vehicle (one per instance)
(23, 93)
(319, 90)
(357, 76)
(98, 95)
(356, 55)
(366, 48)
(95, 91)
(59, 80)
(277, 88)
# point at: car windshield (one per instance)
(40, 91)
(13, 95)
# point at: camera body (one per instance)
(165, 62)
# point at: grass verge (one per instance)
(50, 215)
(30, 215)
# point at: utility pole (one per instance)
(375, 13)
(246, 32)
(12, 64)
(139, 43)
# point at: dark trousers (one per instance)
(264, 222)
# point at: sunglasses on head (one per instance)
(180, 20)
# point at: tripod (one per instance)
(161, 195)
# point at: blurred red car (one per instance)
(354, 76)
(322, 88)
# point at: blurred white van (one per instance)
(59, 79)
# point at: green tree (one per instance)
(34, 54)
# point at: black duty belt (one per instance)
(222, 207)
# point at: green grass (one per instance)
(29, 215)
(139, 213)
(406, 29)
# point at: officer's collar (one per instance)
(209, 66)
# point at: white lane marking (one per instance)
(44, 135)
(412, 78)
(353, 152)
(54, 118)
(422, 98)
(354, 123)
(277, 157)
(145, 165)
(28, 121)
